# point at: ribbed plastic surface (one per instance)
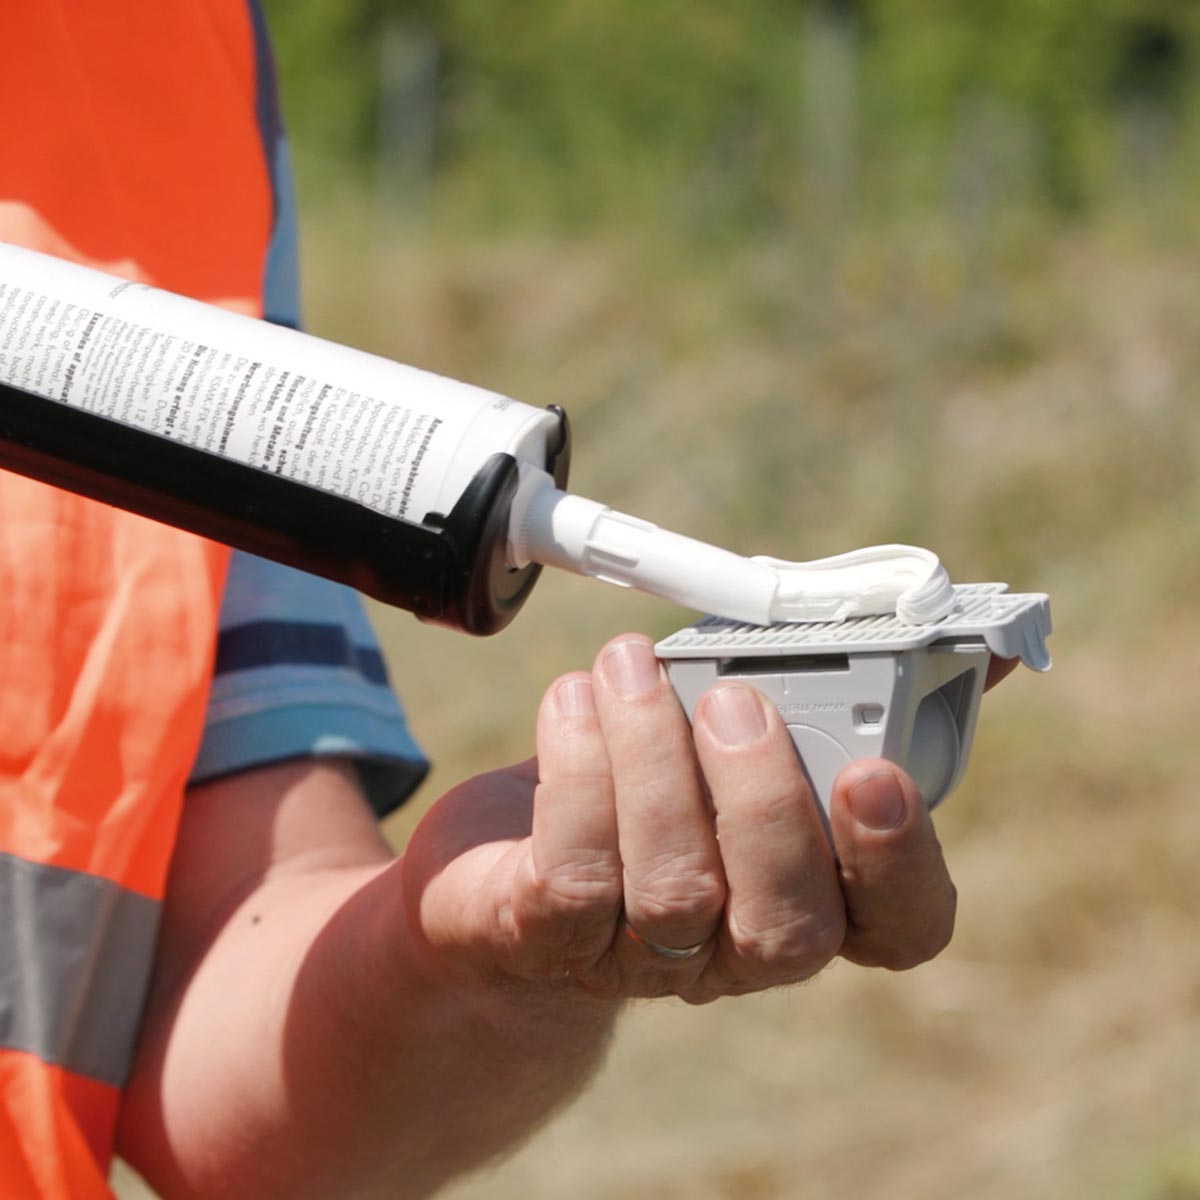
(1013, 625)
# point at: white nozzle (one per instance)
(555, 528)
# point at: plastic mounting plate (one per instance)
(1012, 625)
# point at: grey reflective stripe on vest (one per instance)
(75, 958)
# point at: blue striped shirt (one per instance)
(298, 673)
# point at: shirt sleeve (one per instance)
(298, 674)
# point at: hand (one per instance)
(312, 996)
(629, 820)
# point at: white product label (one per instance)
(391, 437)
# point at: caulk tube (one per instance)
(342, 463)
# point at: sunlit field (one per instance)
(1027, 406)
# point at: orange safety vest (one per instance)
(130, 140)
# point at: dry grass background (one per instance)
(1027, 407)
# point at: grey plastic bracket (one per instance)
(872, 686)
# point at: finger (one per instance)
(998, 669)
(674, 884)
(567, 894)
(900, 901)
(785, 915)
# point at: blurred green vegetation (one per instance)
(734, 117)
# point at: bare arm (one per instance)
(326, 1021)
(296, 1042)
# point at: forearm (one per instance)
(431, 1075)
(312, 1048)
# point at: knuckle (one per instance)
(668, 775)
(582, 888)
(582, 773)
(562, 918)
(791, 950)
(679, 889)
(773, 812)
(665, 910)
(776, 808)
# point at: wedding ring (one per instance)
(664, 951)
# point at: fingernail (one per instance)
(877, 801)
(631, 667)
(575, 698)
(735, 716)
